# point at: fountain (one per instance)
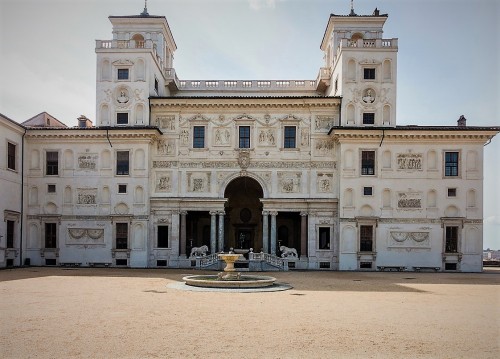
(229, 278)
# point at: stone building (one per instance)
(253, 165)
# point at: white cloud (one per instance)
(260, 4)
(493, 220)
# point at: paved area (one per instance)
(120, 313)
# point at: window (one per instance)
(162, 238)
(122, 163)
(10, 234)
(324, 237)
(122, 74)
(369, 73)
(50, 235)
(122, 188)
(199, 137)
(368, 118)
(451, 164)
(290, 132)
(451, 245)
(156, 85)
(121, 235)
(52, 168)
(244, 136)
(452, 192)
(367, 163)
(51, 188)
(11, 156)
(366, 239)
(367, 191)
(122, 118)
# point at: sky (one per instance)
(448, 59)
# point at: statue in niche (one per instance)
(304, 138)
(369, 96)
(123, 98)
(184, 137)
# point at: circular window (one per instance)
(245, 215)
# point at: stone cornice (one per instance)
(95, 134)
(244, 102)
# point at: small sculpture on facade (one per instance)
(288, 252)
(198, 251)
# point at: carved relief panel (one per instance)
(85, 236)
(198, 182)
(165, 147)
(163, 182)
(86, 196)
(222, 136)
(324, 182)
(267, 137)
(289, 182)
(324, 147)
(166, 123)
(325, 123)
(403, 239)
(410, 161)
(409, 200)
(87, 161)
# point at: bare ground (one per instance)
(120, 313)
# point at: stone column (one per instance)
(273, 232)
(221, 231)
(183, 234)
(213, 232)
(303, 234)
(265, 231)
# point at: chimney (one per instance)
(376, 12)
(84, 122)
(462, 121)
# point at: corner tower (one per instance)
(131, 67)
(363, 68)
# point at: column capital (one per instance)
(265, 213)
(273, 213)
(221, 213)
(304, 213)
(183, 213)
(213, 213)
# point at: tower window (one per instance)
(290, 135)
(451, 164)
(123, 74)
(368, 118)
(367, 163)
(368, 191)
(52, 168)
(122, 118)
(199, 137)
(369, 74)
(11, 156)
(122, 162)
(244, 132)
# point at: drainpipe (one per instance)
(22, 203)
(383, 136)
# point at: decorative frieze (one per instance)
(236, 165)
(410, 161)
(86, 196)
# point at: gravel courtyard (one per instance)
(126, 313)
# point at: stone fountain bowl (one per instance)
(213, 281)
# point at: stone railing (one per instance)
(245, 85)
(268, 258)
(124, 44)
(369, 43)
(209, 260)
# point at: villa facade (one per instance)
(318, 165)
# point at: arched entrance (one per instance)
(243, 209)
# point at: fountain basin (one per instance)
(213, 281)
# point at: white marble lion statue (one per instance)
(199, 251)
(288, 252)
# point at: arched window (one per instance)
(139, 41)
